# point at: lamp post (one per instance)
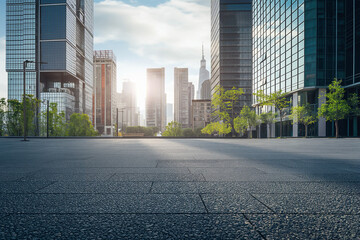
(25, 63)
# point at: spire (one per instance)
(203, 56)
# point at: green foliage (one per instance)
(15, 116)
(148, 131)
(57, 122)
(188, 132)
(336, 107)
(80, 125)
(304, 115)
(250, 117)
(2, 116)
(173, 129)
(225, 103)
(276, 99)
(241, 125)
(268, 119)
(354, 104)
(217, 128)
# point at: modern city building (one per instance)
(60, 34)
(183, 95)
(205, 90)
(105, 92)
(203, 75)
(155, 98)
(130, 108)
(200, 113)
(231, 47)
(169, 113)
(299, 47)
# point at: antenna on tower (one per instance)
(203, 56)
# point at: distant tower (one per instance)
(203, 74)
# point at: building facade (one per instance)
(60, 34)
(169, 113)
(183, 95)
(200, 113)
(203, 75)
(129, 102)
(231, 47)
(205, 93)
(299, 47)
(156, 98)
(105, 92)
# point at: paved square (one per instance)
(180, 189)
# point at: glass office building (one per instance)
(299, 47)
(231, 46)
(60, 33)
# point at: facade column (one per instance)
(322, 121)
(296, 124)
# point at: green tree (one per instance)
(80, 125)
(188, 132)
(336, 107)
(275, 99)
(225, 104)
(57, 122)
(173, 129)
(15, 116)
(240, 124)
(268, 119)
(304, 115)
(354, 102)
(219, 128)
(2, 116)
(250, 117)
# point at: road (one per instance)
(180, 189)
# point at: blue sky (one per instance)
(143, 34)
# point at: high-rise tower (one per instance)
(60, 33)
(203, 74)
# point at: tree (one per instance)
(80, 125)
(225, 104)
(173, 129)
(2, 116)
(219, 128)
(240, 124)
(15, 117)
(188, 132)
(57, 122)
(336, 107)
(275, 99)
(268, 119)
(304, 115)
(250, 117)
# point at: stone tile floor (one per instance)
(180, 189)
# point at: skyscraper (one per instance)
(231, 48)
(59, 33)
(130, 108)
(169, 113)
(306, 46)
(183, 95)
(105, 91)
(156, 98)
(203, 74)
(205, 93)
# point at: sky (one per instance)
(144, 34)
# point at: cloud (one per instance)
(169, 33)
(3, 74)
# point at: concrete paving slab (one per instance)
(101, 203)
(306, 226)
(233, 203)
(311, 203)
(129, 226)
(22, 187)
(160, 177)
(98, 187)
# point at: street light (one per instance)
(25, 63)
(47, 117)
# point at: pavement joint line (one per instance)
(262, 203)
(48, 185)
(152, 184)
(203, 202)
(203, 177)
(108, 180)
(254, 226)
(189, 170)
